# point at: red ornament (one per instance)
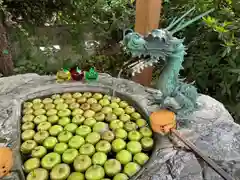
(76, 74)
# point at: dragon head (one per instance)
(158, 44)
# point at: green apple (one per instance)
(28, 111)
(83, 130)
(115, 124)
(50, 142)
(74, 106)
(28, 146)
(87, 94)
(140, 158)
(100, 127)
(27, 104)
(123, 104)
(50, 160)
(90, 122)
(104, 102)
(88, 113)
(69, 155)
(91, 101)
(60, 172)
(64, 136)
(77, 111)
(130, 126)
(81, 163)
(124, 156)
(37, 100)
(118, 111)
(31, 164)
(103, 146)
(112, 167)
(136, 115)
(49, 106)
(56, 96)
(58, 101)
(77, 95)
(107, 97)
(38, 174)
(106, 110)
(39, 152)
(118, 145)
(71, 127)
(53, 119)
(55, 130)
(94, 172)
(40, 118)
(97, 96)
(120, 176)
(114, 105)
(64, 113)
(40, 136)
(27, 126)
(116, 99)
(76, 142)
(134, 147)
(129, 110)
(44, 126)
(28, 118)
(64, 121)
(37, 106)
(96, 107)
(99, 158)
(28, 134)
(66, 96)
(141, 123)
(110, 117)
(93, 138)
(47, 101)
(82, 100)
(76, 176)
(146, 132)
(60, 148)
(147, 143)
(99, 116)
(131, 169)
(125, 117)
(134, 136)
(120, 133)
(108, 136)
(87, 149)
(105, 179)
(70, 101)
(78, 119)
(39, 112)
(61, 106)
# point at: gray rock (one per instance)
(211, 128)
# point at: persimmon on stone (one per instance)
(163, 121)
(6, 161)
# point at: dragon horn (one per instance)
(192, 21)
(174, 22)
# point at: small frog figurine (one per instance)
(91, 75)
(63, 75)
(76, 73)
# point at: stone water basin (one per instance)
(66, 102)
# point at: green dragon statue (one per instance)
(160, 44)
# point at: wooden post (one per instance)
(147, 19)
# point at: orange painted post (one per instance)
(147, 19)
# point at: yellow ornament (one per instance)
(63, 75)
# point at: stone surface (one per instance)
(211, 128)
